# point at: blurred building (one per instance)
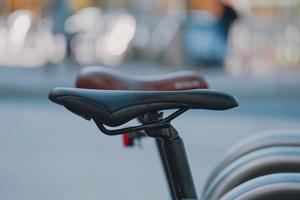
(27, 37)
(266, 39)
(121, 30)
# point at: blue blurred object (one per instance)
(60, 12)
(206, 36)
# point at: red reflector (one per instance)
(127, 140)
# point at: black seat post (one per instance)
(180, 169)
(175, 162)
(164, 161)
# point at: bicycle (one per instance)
(105, 109)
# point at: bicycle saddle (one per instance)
(115, 107)
(109, 79)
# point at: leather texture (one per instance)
(116, 107)
(258, 163)
(97, 77)
(250, 144)
(281, 186)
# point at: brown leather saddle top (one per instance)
(109, 79)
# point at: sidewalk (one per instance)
(33, 83)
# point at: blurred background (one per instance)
(245, 37)
(249, 48)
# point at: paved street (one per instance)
(48, 153)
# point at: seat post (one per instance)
(179, 166)
(164, 162)
(176, 161)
